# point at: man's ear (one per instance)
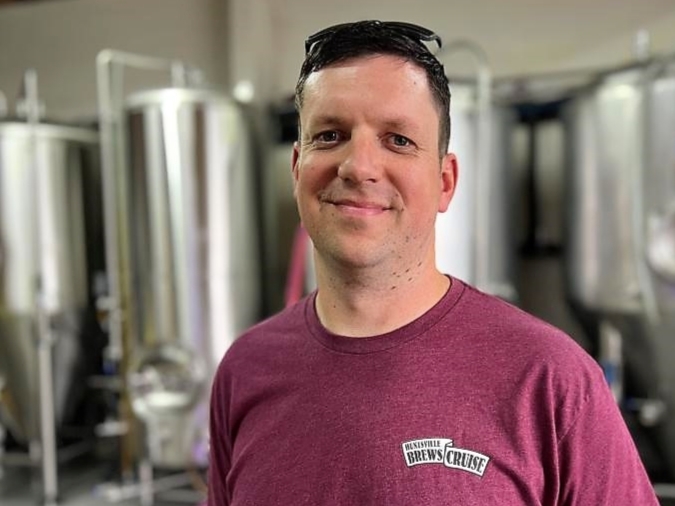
(449, 174)
(294, 165)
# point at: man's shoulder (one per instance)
(266, 337)
(510, 329)
(499, 314)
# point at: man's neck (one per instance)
(368, 305)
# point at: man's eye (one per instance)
(329, 136)
(400, 141)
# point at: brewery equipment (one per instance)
(50, 219)
(182, 254)
(605, 180)
(474, 237)
(620, 196)
(193, 242)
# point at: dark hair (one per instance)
(362, 38)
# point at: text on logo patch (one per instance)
(443, 451)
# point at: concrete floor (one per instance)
(666, 494)
(85, 484)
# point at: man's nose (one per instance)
(361, 161)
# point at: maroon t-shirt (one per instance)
(474, 403)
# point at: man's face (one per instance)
(368, 178)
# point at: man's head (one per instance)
(364, 38)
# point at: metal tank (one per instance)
(605, 126)
(659, 181)
(660, 216)
(190, 234)
(620, 192)
(475, 236)
(620, 185)
(619, 189)
(51, 241)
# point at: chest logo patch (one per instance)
(442, 451)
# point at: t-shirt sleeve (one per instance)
(599, 463)
(220, 444)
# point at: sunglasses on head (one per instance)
(409, 30)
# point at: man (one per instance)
(394, 383)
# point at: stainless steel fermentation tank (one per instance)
(620, 172)
(475, 237)
(620, 179)
(51, 240)
(193, 271)
(181, 223)
(51, 248)
(606, 215)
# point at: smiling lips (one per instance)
(358, 207)
(361, 204)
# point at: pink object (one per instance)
(296, 270)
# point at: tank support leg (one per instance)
(146, 483)
(3, 436)
(48, 454)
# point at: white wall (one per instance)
(619, 48)
(262, 40)
(519, 36)
(62, 38)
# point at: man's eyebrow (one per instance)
(393, 124)
(401, 124)
(326, 119)
(396, 123)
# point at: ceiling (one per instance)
(518, 35)
(6, 2)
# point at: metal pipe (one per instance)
(592, 73)
(32, 100)
(3, 431)
(47, 410)
(665, 490)
(146, 489)
(647, 293)
(110, 65)
(3, 438)
(46, 339)
(108, 168)
(611, 358)
(533, 235)
(483, 157)
(179, 75)
(3, 104)
(642, 45)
